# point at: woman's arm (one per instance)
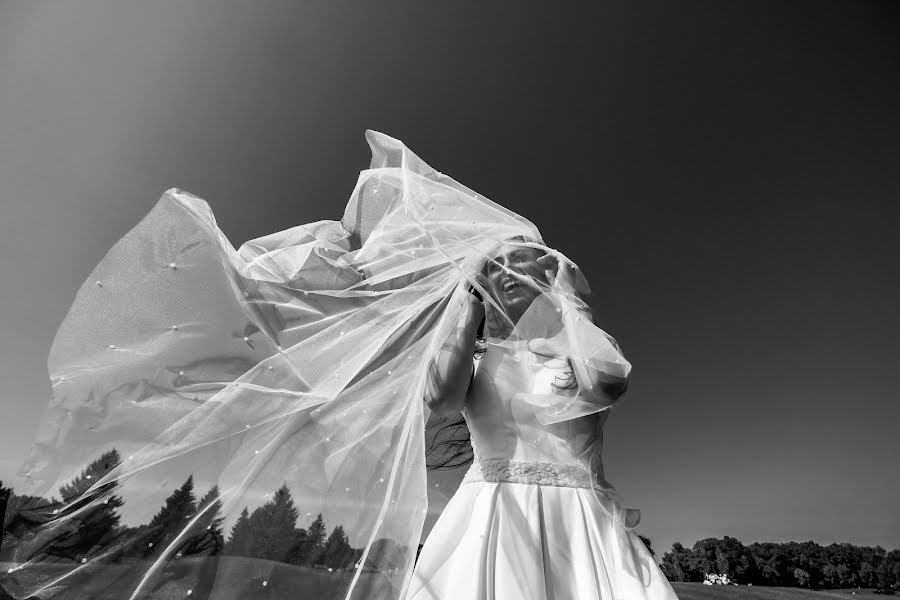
(602, 375)
(450, 372)
(598, 386)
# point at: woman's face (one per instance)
(512, 276)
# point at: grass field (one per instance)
(227, 577)
(241, 579)
(698, 591)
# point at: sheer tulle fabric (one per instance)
(292, 367)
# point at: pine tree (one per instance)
(315, 541)
(295, 554)
(4, 499)
(273, 526)
(170, 520)
(207, 538)
(5, 495)
(337, 553)
(25, 515)
(87, 529)
(238, 543)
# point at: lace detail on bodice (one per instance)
(519, 471)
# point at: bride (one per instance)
(249, 423)
(526, 522)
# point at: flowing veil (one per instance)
(273, 396)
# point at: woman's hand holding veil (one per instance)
(562, 274)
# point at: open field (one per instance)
(241, 579)
(698, 591)
(228, 577)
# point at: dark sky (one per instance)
(726, 174)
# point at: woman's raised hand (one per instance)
(562, 273)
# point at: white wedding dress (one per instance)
(526, 523)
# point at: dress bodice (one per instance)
(511, 389)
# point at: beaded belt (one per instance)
(560, 475)
(520, 471)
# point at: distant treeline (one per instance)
(269, 532)
(792, 564)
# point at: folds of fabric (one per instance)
(533, 542)
(284, 379)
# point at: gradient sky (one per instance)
(726, 174)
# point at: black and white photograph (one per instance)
(345, 300)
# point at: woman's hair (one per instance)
(449, 444)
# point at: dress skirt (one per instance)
(522, 541)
